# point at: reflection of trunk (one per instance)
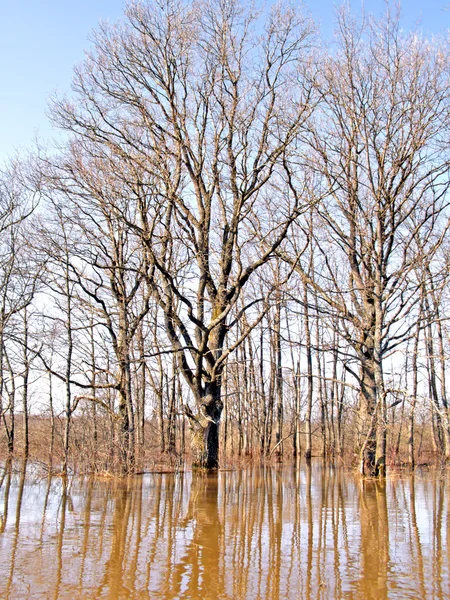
(112, 580)
(204, 552)
(416, 544)
(205, 428)
(15, 541)
(275, 524)
(439, 566)
(374, 541)
(6, 475)
(308, 416)
(60, 538)
(310, 525)
(87, 521)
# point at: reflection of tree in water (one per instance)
(16, 534)
(5, 480)
(198, 574)
(375, 560)
(114, 572)
(310, 533)
(438, 545)
(414, 536)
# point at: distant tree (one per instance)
(379, 155)
(96, 272)
(18, 280)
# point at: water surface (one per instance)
(269, 534)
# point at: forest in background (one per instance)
(239, 250)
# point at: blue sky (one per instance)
(41, 41)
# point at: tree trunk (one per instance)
(321, 385)
(308, 416)
(10, 431)
(26, 375)
(437, 427)
(279, 379)
(68, 407)
(126, 414)
(205, 428)
(171, 418)
(52, 418)
(368, 401)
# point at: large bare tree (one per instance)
(199, 107)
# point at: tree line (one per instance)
(242, 233)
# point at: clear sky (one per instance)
(41, 41)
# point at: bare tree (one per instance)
(98, 269)
(378, 151)
(202, 114)
(18, 279)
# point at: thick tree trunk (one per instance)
(373, 450)
(126, 412)
(368, 400)
(205, 428)
(126, 426)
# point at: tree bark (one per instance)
(205, 428)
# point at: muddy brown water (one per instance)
(262, 533)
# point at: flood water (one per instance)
(261, 533)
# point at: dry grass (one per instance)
(94, 449)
